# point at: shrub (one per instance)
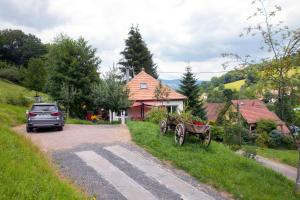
(212, 123)
(217, 133)
(235, 147)
(186, 114)
(247, 138)
(12, 74)
(288, 142)
(265, 125)
(233, 132)
(21, 100)
(155, 115)
(275, 138)
(262, 140)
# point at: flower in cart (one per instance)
(197, 121)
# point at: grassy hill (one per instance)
(217, 166)
(10, 92)
(25, 172)
(236, 85)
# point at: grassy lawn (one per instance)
(236, 85)
(217, 166)
(289, 157)
(25, 173)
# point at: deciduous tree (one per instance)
(18, 48)
(111, 93)
(73, 69)
(36, 75)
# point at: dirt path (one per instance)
(286, 170)
(103, 160)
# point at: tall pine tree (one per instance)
(189, 87)
(136, 55)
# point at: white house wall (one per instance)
(174, 103)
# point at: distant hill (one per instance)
(236, 85)
(174, 84)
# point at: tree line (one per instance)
(69, 69)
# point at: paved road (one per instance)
(104, 161)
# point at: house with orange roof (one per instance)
(251, 111)
(142, 94)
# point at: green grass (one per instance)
(289, 157)
(236, 85)
(10, 90)
(25, 173)
(217, 166)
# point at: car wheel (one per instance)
(28, 129)
(60, 128)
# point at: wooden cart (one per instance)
(182, 129)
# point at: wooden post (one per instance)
(123, 117)
(110, 117)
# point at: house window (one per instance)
(172, 109)
(143, 86)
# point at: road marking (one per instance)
(124, 184)
(163, 176)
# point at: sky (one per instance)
(177, 32)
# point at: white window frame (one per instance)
(143, 86)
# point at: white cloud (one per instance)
(176, 31)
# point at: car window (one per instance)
(44, 108)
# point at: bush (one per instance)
(21, 100)
(275, 138)
(235, 147)
(265, 125)
(233, 132)
(12, 74)
(262, 140)
(247, 138)
(217, 133)
(186, 114)
(288, 142)
(155, 115)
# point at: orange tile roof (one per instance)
(213, 110)
(254, 110)
(138, 94)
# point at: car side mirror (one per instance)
(27, 112)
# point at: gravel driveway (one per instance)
(103, 161)
(74, 135)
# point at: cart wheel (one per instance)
(179, 134)
(163, 127)
(205, 138)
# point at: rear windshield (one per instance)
(44, 108)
